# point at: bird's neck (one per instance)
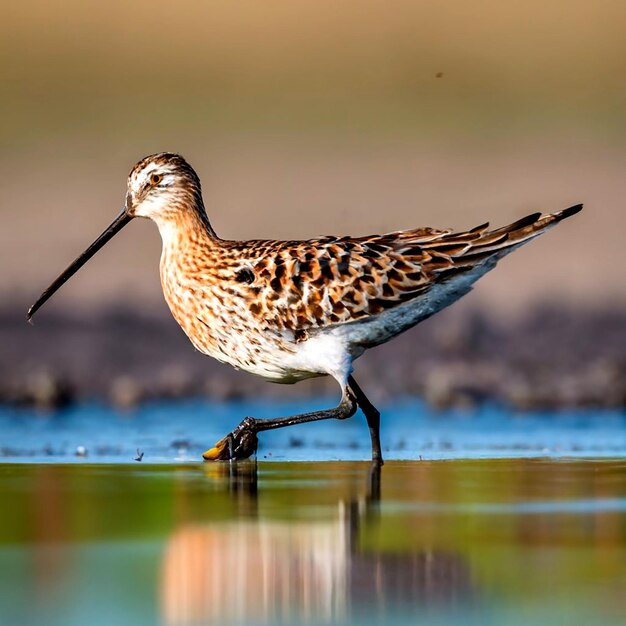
(186, 229)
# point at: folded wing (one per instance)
(303, 287)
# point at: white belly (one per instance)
(323, 353)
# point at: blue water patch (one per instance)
(181, 431)
(545, 507)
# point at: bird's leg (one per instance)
(242, 441)
(373, 419)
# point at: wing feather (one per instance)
(310, 285)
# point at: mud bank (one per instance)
(550, 357)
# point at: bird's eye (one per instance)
(155, 179)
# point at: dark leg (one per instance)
(373, 494)
(373, 419)
(242, 442)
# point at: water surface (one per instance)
(410, 430)
(506, 519)
(513, 541)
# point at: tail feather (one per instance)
(521, 224)
(533, 225)
(519, 232)
(467, 252)
(479, 229)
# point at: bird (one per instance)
(292, 310)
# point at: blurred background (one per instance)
(305, 119)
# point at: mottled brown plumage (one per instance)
(288, 310)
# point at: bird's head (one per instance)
(162, 187)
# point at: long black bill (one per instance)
(118, 223)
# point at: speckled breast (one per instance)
(215, 313)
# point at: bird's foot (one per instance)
(241, 443)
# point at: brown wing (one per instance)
(307, 285)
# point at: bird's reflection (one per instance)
(254, 570)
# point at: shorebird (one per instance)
(291, 310)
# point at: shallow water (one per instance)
(460, 537)
(467, 541)
(181, 431)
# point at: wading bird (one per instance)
(290, 310)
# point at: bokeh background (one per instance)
(302, 119)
